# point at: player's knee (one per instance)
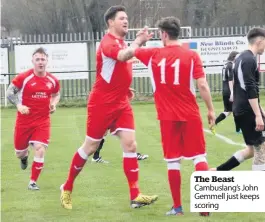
(259, 157)
(90, 146)
(248, 152)
(21, 154)
(39, 150)
(130, 145)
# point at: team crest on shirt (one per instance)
(49, 85)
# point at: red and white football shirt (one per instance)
(113, 77)
(172, 71)
(35, 93)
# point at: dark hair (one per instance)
(255, 32)
(112, 11)
(232, 56)
(40, 50)
(170, 25)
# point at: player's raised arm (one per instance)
(142, 37)
(144, 54)
(114, 51)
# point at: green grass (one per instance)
(101, 192)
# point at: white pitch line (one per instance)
(225, 139)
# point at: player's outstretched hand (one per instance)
(143, 35)
(211, 118)
(24, 110)
(52, 108)
(259, 123)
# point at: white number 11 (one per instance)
(162, 65)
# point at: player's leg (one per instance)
(96, 157)
(39, 140)
(39, 150)
(221, 117)
(201, 164)
(258, 141)
(247, 124)
(195, 149)
(97, 124)
(79, 159)
(21, 141)
(172, 143)
(259, 157)
(227, 110)
(238, 157)
(124, 129)
(131, 168)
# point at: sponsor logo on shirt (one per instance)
(40, 95)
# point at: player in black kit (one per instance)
(227, 76)
(247, 111)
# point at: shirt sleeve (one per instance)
(248, 67)
(230, 72)
(18, 81)
(198, 71)
(144, 54)
(111, 49)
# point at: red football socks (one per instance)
(77, 164)
(36, 168)
(131, 170)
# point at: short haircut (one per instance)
(254, 33)
(170, 25)
(40, 50)
(232, 56)
(112, 11)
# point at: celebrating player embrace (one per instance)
(35, 93)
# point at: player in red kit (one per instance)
(173, 69)
(109, 107)
(35, 93)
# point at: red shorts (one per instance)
(24, 136)
(182, 139)
(104, 117)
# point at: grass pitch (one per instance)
(101, 191)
